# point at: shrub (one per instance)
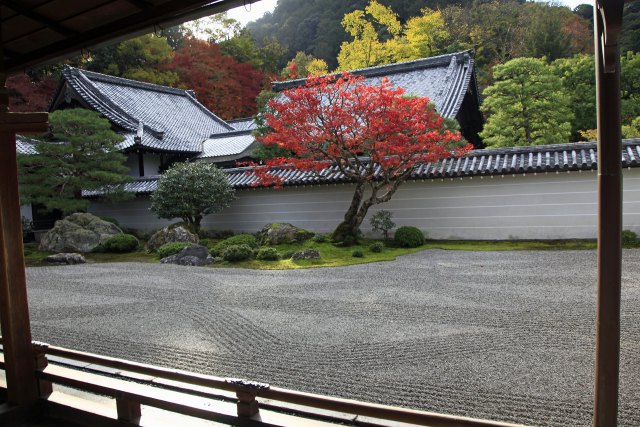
(268, 254)
(209, 243)
(320, 238)
(357, 253)
(240, 239)
(172, 248)
(215, 234)
(27, 230)
(236, 253)
(120, 243)
(409, 237)
(288, 254)
(376, 247)
(630, 239)
(381, 221)
(346, 241)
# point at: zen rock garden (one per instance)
(85, 233)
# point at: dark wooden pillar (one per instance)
(607, 25)
(22, 386)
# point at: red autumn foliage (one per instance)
(373, 134)
(222, 84)
(27, 95)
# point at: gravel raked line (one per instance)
(507, 336)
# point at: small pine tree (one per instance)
(80, 153)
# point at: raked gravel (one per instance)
(506, 336)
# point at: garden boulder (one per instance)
(64, 259)
(191, 255)
(278, 233)
(79, 232)
(170, 235)
(306, 254)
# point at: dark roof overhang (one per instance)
(45, 30)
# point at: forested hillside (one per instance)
(314, 26)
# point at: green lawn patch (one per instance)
(335, 256)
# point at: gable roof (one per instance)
(575, 156)
(170, 119)
(228, 146)
(443, 79)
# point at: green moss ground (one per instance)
(334, 256)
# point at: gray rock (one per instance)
(79, 232)
(306, 254)
(64, 258)
(278, 233)
(170, 235)
(191, 255)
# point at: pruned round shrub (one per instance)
(240, 239)
(236, 253)
(630, 239)
(268, 254)
(172, 248)
(208, 243)
(357, 253)
(409, 237)
(376, 247)
(120, 243)
(320, 238)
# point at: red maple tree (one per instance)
(222, 84)
(374, 134)
(28, 95)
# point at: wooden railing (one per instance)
(229, 401)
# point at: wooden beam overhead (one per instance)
(146, 20)
(29, 13)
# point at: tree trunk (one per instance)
(353, 217)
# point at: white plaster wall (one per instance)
(26, 212)
(151, 164)
(543, 206)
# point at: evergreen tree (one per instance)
(578, 78)
(190, 191)
(526, 106)
(79, 154)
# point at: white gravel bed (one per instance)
(507, 336)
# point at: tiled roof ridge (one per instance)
(105, 78)
(93, 75)
(455, 102)
(231, 133)
(388, 69)
(85, 88)
(240, 119)
(489, 162)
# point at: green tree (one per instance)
(375, 31)
(266, 152)
(526, 105)
(577, 75)
(79, 154)
(630, 86)
(190, 191)
(141, 58)
(632, 130)
(302, 65)
(426, 35)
